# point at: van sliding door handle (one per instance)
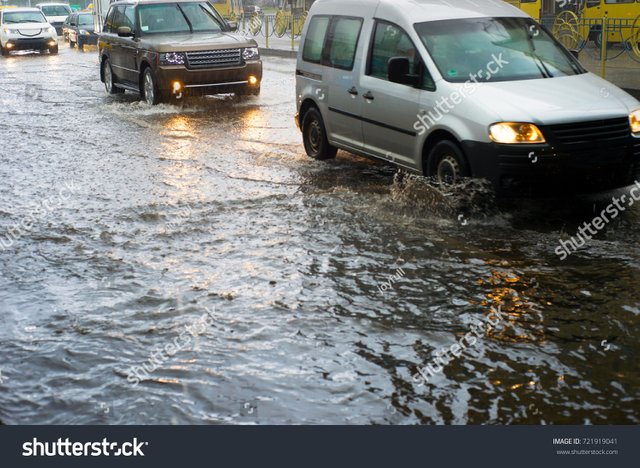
(353, 91)
(368, 96)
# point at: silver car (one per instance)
(471, 89)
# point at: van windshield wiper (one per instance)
(534, 53)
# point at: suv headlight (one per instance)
(172, 58)
(634, 120)
(84, 32)
(516, 133)
(251, 53)
(52, 30)
(10, 30)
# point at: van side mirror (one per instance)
(399, 72)
(232, 26)
(125, 31)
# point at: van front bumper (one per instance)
(210, 81)
(545, 169)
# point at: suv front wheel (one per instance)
(150, 92)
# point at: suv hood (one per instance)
(195, 42)
(554, 100)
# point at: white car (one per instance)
(26, 29)
(56, 14)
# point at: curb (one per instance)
(278, 53)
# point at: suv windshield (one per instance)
(519, 46)
(55, 10)
(178, 18)
(24, 17)
(85, 20)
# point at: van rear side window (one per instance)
(314, 42)
(344, 42)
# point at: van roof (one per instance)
(417, 11)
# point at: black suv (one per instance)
(163, 49)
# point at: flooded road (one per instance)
(191, 265)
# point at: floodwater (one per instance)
(189, 264)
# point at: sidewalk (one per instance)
(278, 46)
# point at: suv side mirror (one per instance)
(232, 26)
(125, 31)
(399, 72)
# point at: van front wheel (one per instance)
(314, 134)
(447, 163)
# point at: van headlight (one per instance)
(513, 133)
(84, 32)
(634, 120)
(251, 53)
(10, 31)
(52, 31)
(172, 58)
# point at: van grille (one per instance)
(591, 132)
(214, 58)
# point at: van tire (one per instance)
(447, 163)
(314, 135)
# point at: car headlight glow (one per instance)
(251, 53)
(172, 58)
(513, 133)
(634, 120)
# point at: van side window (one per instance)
(343, 42)
(391, 41)
(314, 42)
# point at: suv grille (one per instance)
(214, 58)
(591, 132)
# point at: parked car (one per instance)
(163, 49)
(56, 13)
(26, 29)
(456, 90)
(81, 30)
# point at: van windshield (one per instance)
(495, 49)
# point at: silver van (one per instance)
(471, 88)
